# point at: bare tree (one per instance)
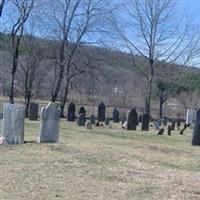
(1, 6)
(74, 21)
(23, 9)
(152, 36)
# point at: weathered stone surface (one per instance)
(115, 116)
(33, 112)
(145, 122)
(196, 131)
(81, 119)
(82, 110)
(132, 120)
(92, 119)
(13, 123)
(49, 123)
(71, 112)
(101, 112)
(190, 117)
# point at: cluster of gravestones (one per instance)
(13, 121)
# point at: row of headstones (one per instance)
(71, 115)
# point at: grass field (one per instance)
(101, 164)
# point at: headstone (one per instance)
(132, 120)
(82, 111)
(101, 112)
(190, 117)
(13, 123)
(1, 115)
(33, 112)
(173, 124)
(88, 125)
(196, 131)
(157, 125)
(169, 130)
(184, 128)
(92, 119)
(140, 118)
(145, 122)
(161, 131)
(81, 119)
(49, 123)
(178, 123)
(107, 121)
(115, 116)
(71, 112)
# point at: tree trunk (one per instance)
(161, 107)
(64, 99)
(62, 66)
(11, 95)
(27, 102)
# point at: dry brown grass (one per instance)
(101, 164)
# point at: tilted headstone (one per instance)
(132, 120)
(145, 122)
(101, 112)
(196, 131)
(115, 116)
(190, 117)
(33, 112)
(13, 123)
(49, 123)
(92, 119)
(71, 112)
(81, 119)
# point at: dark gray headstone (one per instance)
(169, 130)
(92, 119)
(132, 120)
(49, 123)
(81, 119)
(101, 112)
(173, 124)
(82, 110)
(145, 122)
(196, 131)
(71, 112)
(115, 116)
(33, 112)
(13, 123)
(140, 118)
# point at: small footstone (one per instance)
(50, 123)
(13, 123)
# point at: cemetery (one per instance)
(99, 100)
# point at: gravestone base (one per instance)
(13, 123)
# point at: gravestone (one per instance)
(190, 117)
(101, 112)
(161, 131)
(82, 111)
(196, 131)
(184, 128)
(92, 119)
(157, 125)
(88, 125)
(140, 118)
(107, 121)
(178, 124)
(49, 123)
(1, 115)
(13, 123)
(173, 124)
(115, 116)
(33, 112)
(81, 119)
(145, 122)
(71, 112)
(169, 130)
(132, 120)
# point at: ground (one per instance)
(101, 164)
